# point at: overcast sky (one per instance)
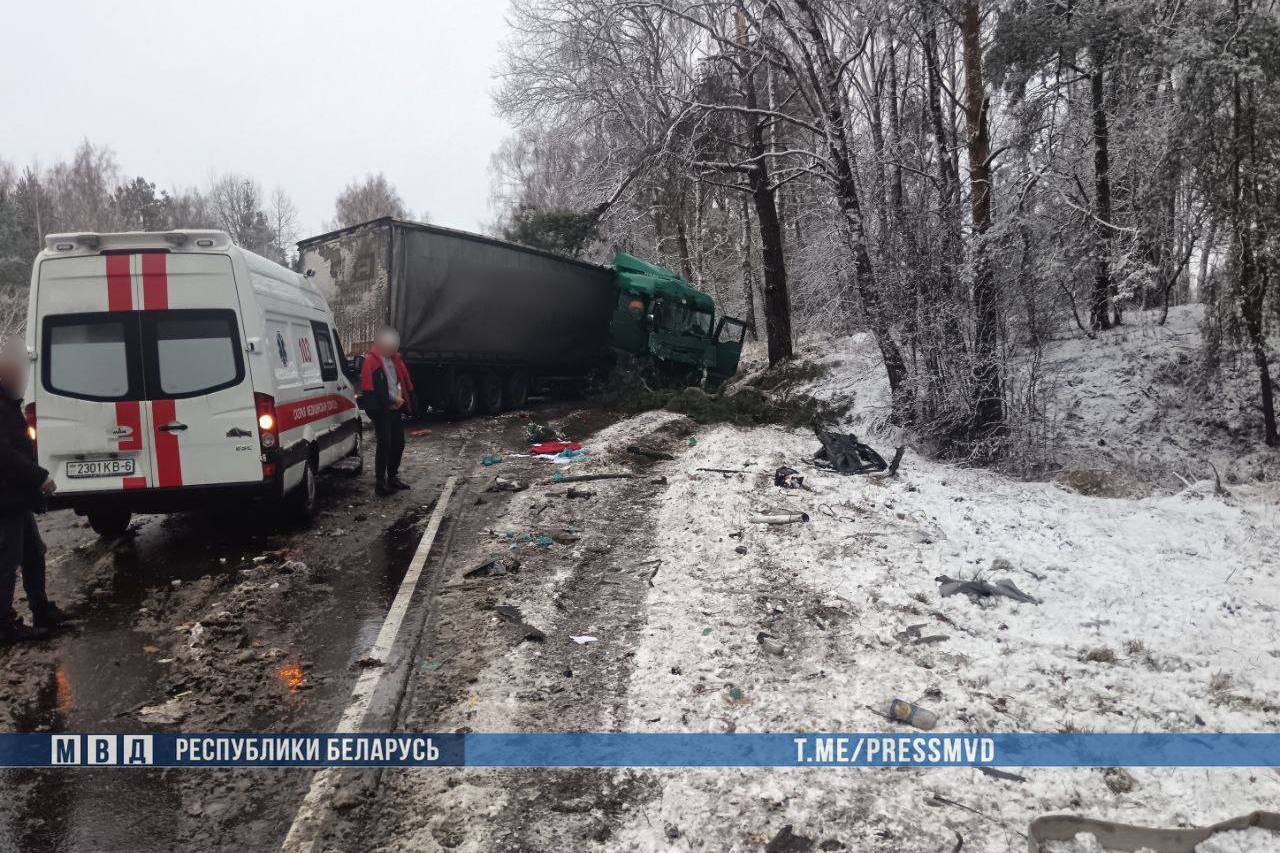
(304, 95)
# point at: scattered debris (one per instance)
(902, 711)
(788, 478)
(584, 639)
(500, 484)
(787, 841)
(996, 773)
(537, 432)
(780, 518)
(582, 478)
(496, 568)
(490, 459)
(368, 662)
(649, 452)
(418, 433)
(770, 644)
(575, 492)
(1123, 836)
(845, 454)
(553, 448)
(1118, 780)
(168, 713)
(725, 471)
(913, 635)
(741, 549)
(979, 589)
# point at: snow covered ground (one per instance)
(1157, 614)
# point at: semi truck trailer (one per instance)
(484, 323)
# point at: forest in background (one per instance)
(90, 192)
(962, 179)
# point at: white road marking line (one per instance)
(302, 835)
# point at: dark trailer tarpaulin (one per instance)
(459, 297)
(467, 295)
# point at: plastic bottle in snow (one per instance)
(902, 711)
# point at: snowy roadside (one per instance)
(1157, 614)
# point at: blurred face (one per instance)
(13, 371)
(388, 343)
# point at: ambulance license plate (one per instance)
(100, 468)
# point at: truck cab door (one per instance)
(628, 328)
(727, 350)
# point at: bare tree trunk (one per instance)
(988, 402)
(748, 274)
(1101, 304)
(852, 225)
(773, 267)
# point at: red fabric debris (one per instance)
(554, 447)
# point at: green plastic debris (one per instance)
(706, 632)
(693, 440)
(431, 665)
(544, 541)
(490, 459)
(735, 693)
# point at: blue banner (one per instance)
(409, 749)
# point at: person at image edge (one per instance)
(24, 485)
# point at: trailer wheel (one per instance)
(463, 399)
(490, 393)
(515, 392)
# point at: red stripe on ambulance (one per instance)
(168, 455)
(300, 412)
(155, 282)
(129, 416)
(119, 283)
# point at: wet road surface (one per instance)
(284, 660)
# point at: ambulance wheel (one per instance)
(300, 503)
(491, 393)
(109, 522)
(515, 393)
(356, 468)
(463, 399)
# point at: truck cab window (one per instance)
(671, 316)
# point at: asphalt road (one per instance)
(218, 622)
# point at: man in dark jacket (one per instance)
(385, 393)
(24, 486)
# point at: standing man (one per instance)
(24, 485)
(385, 388)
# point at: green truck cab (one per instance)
(662, 319)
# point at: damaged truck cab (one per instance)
(663, 320)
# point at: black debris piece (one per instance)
(977, 589)
(788, 478)
(845, 454)
(497, 568)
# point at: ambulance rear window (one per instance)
(196, 352)
(87, 356)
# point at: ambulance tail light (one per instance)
(265, 405)
(29, 412)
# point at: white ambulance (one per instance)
(173, 369)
